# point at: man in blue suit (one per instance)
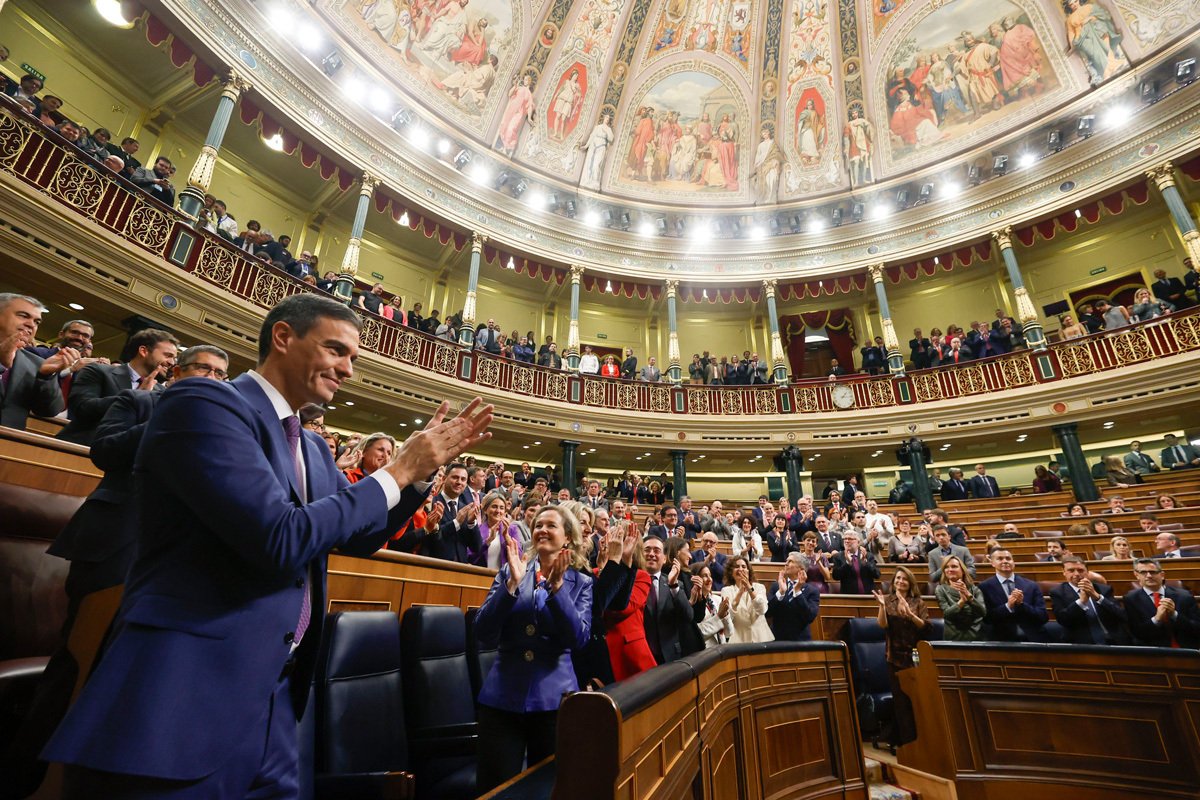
(1016, 608)
(955, 488)
(791, 603)
(982, 484)
(213, 649)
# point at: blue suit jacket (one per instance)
(212, 601)
(536, 644)
(977, 485)
(1027, 619)
(791, 616)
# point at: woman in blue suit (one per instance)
(538, 612)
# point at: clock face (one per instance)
(842, 396)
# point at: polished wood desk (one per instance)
(1046, 722)
(752, 722)
(390, 581)
(41, 462)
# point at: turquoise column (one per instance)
(1026, 313)
(1164, 177)
(890, 342)
(778, 362)
(191, 199)
(344, 288)
(466, 331)
(572, 354)
(674, 370)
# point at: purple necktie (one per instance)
(291, 428)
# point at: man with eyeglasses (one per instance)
(100, 541)
(1161, 615)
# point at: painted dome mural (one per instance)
(733, 103)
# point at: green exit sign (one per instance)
(34, 72)
(601, 335)
(1098, 270)
(377, 276)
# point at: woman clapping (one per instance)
(746, 602)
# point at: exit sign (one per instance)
(34, 72)
(601, 335)
(377, 276)
(1097, 270)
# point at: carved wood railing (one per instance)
(39, 157)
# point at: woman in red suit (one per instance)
(609, 368)
(626, 637)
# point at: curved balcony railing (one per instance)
(40, 158)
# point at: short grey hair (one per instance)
(794, 556)
(188, 356)
(6, 298)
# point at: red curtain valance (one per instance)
(1112, 204)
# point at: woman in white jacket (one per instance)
(746, 539)
(745, 602)
(715, 630)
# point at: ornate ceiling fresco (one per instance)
(720, 103)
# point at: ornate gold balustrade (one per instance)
(38, 157)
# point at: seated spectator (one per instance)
(1145, 308)
(1070, 329)
(1167, 545)
(961, 601)
(373, 453)
(854, 567)
(1044, 482)
(1160, 615)
(1118, 474)
(518, 704)
(1086, 611)
(1010, 531)
(25, 93)
(1166, 502)
(714, 630)
(1055, 550)
(610, 369)
(1177, 454)
(1076, 510)
(1098, 526)
(27, 382)
(1148, 522)
(792, 604)
(746, 602)
(589, 364)
(1116, 505)
(650, 373)
(551, 359)
(1016, 609)
(1120, 550)
(156, 181)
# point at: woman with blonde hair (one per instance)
(1120, 550)
(961, 602)
(746, 602)
(1166, 502)
(494, 527)
(538, 614)
(1118, 474)
(1146, 308)
(371, 454)
(904, 618)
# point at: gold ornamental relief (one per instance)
(148, 227)
(1076, 360)
(626, 396)
(971, 380)
(268, 289)
(408, 347)
(807, 400)
(698, 401)
(13, 136)
(880, 393)
(556, 387)
(216, 264)
(731, 402)
(79, 185)
(488, 372)
(927, 387)
(523, 380)
(1132, 347)
(766, 401)
(444, 360)
(660, 399)
(1016, 372)
(593, 393)
(1187, 331)
(371, 333)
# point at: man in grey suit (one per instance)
(650, 373)
(668, 608)
(944, 549)
(1138, 462)
(1179, 455)
(27, 382)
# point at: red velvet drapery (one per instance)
(838, 327)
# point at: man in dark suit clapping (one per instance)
(668, 607)
(1086, 611)
(792, 604)
(1160, 615)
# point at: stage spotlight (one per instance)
(856, 212)
(462, 158)
(1085, 125)
(1000, 166)
(1054, 140)
(571, 211)
(519, 188)
(735, 228)
(902, 199)
(974, 175)
(608, 217)
(1149, 92)
(401, 118)
(836, 217)
(773, 224)
(660, 225)
(1185, 71)
(625, 220)
(502, 179)
(552, 201)
(680, 227)
(795, 223)
(331, 63)
(926, 194)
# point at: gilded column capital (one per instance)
(478, 240)
(1163, 175)
(576, 274)
(876, 272)
(672, 287)
(235, 85)
(369, 184)
(1191, 240)
(1003, 238)
(769, 286)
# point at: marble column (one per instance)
(674, 371)
(1027, 315)
(793, 463)
(778, 362)
(1164, 178)
(571, 356)
(569, 448)
(1082, 483)
(191, 199)
(678, 474)
(466, 331)
(894, 359)
(344, 288)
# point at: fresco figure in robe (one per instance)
(597, 145)
(1093, 36)
(517, 112)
